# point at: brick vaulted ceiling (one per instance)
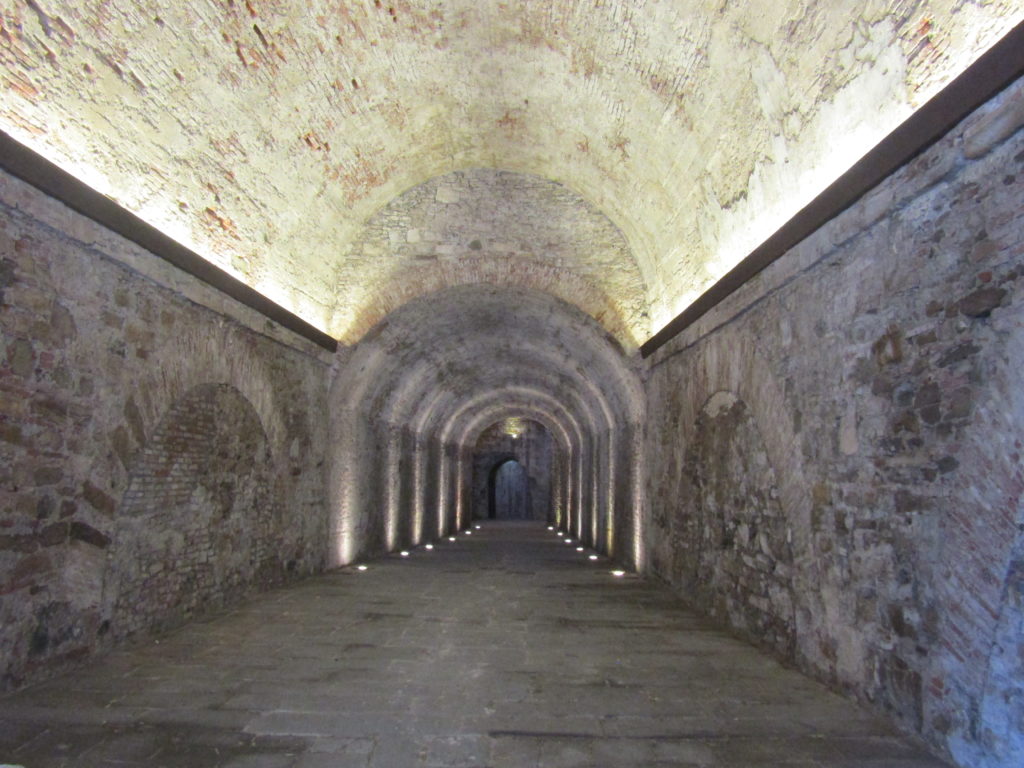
(627, 151)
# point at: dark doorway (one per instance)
(527, 444)
(508, 492)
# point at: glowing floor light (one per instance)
(360, 567)
(404, 553)
(451, 538)
(428, 546)
(551, 527)
(477, 527)
(579, 549)
(618, 574)
(593, 557)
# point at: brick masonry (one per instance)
(495, 227)
(834, 451)
(208, 468)
(267, 134)
(147, 443)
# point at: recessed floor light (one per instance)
(618, 574)
(451, 538)
(428, 546)
(360, 567)
(593, 557)
(404, 553)
(579, 549)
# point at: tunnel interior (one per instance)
(452, 383)
(729, 295)
(513, 462)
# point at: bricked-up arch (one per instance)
(200, 522)
(742, 371)
(733, 541)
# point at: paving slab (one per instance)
(505, 649)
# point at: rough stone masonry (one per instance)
(835, 451)
(828, 463)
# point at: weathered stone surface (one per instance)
(833, 455)
(997, 121)
(97, 499)
(736, 557)
(268, 135)
(981, 302)
(874, 448)
(84, 532)
(506, 649)
(86, 379)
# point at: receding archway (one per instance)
(513, 471)
(441, 369)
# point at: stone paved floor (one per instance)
(507, 648)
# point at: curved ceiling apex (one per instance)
(440, 351)
(488, 314)
(466, 424)
(490, 226)
(477, 407)
(562, 427)
(264, 135)
(442, 409)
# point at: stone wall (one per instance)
(834, 450)
(160, 447)
(735, 554)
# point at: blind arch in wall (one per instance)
(199, 522)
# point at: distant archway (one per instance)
(508, 491)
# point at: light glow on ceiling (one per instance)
(270, 163)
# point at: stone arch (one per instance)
(744, 372)
(207, 363)
(976, 700)
(736, 367)
(488, 226)
(201, 520)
